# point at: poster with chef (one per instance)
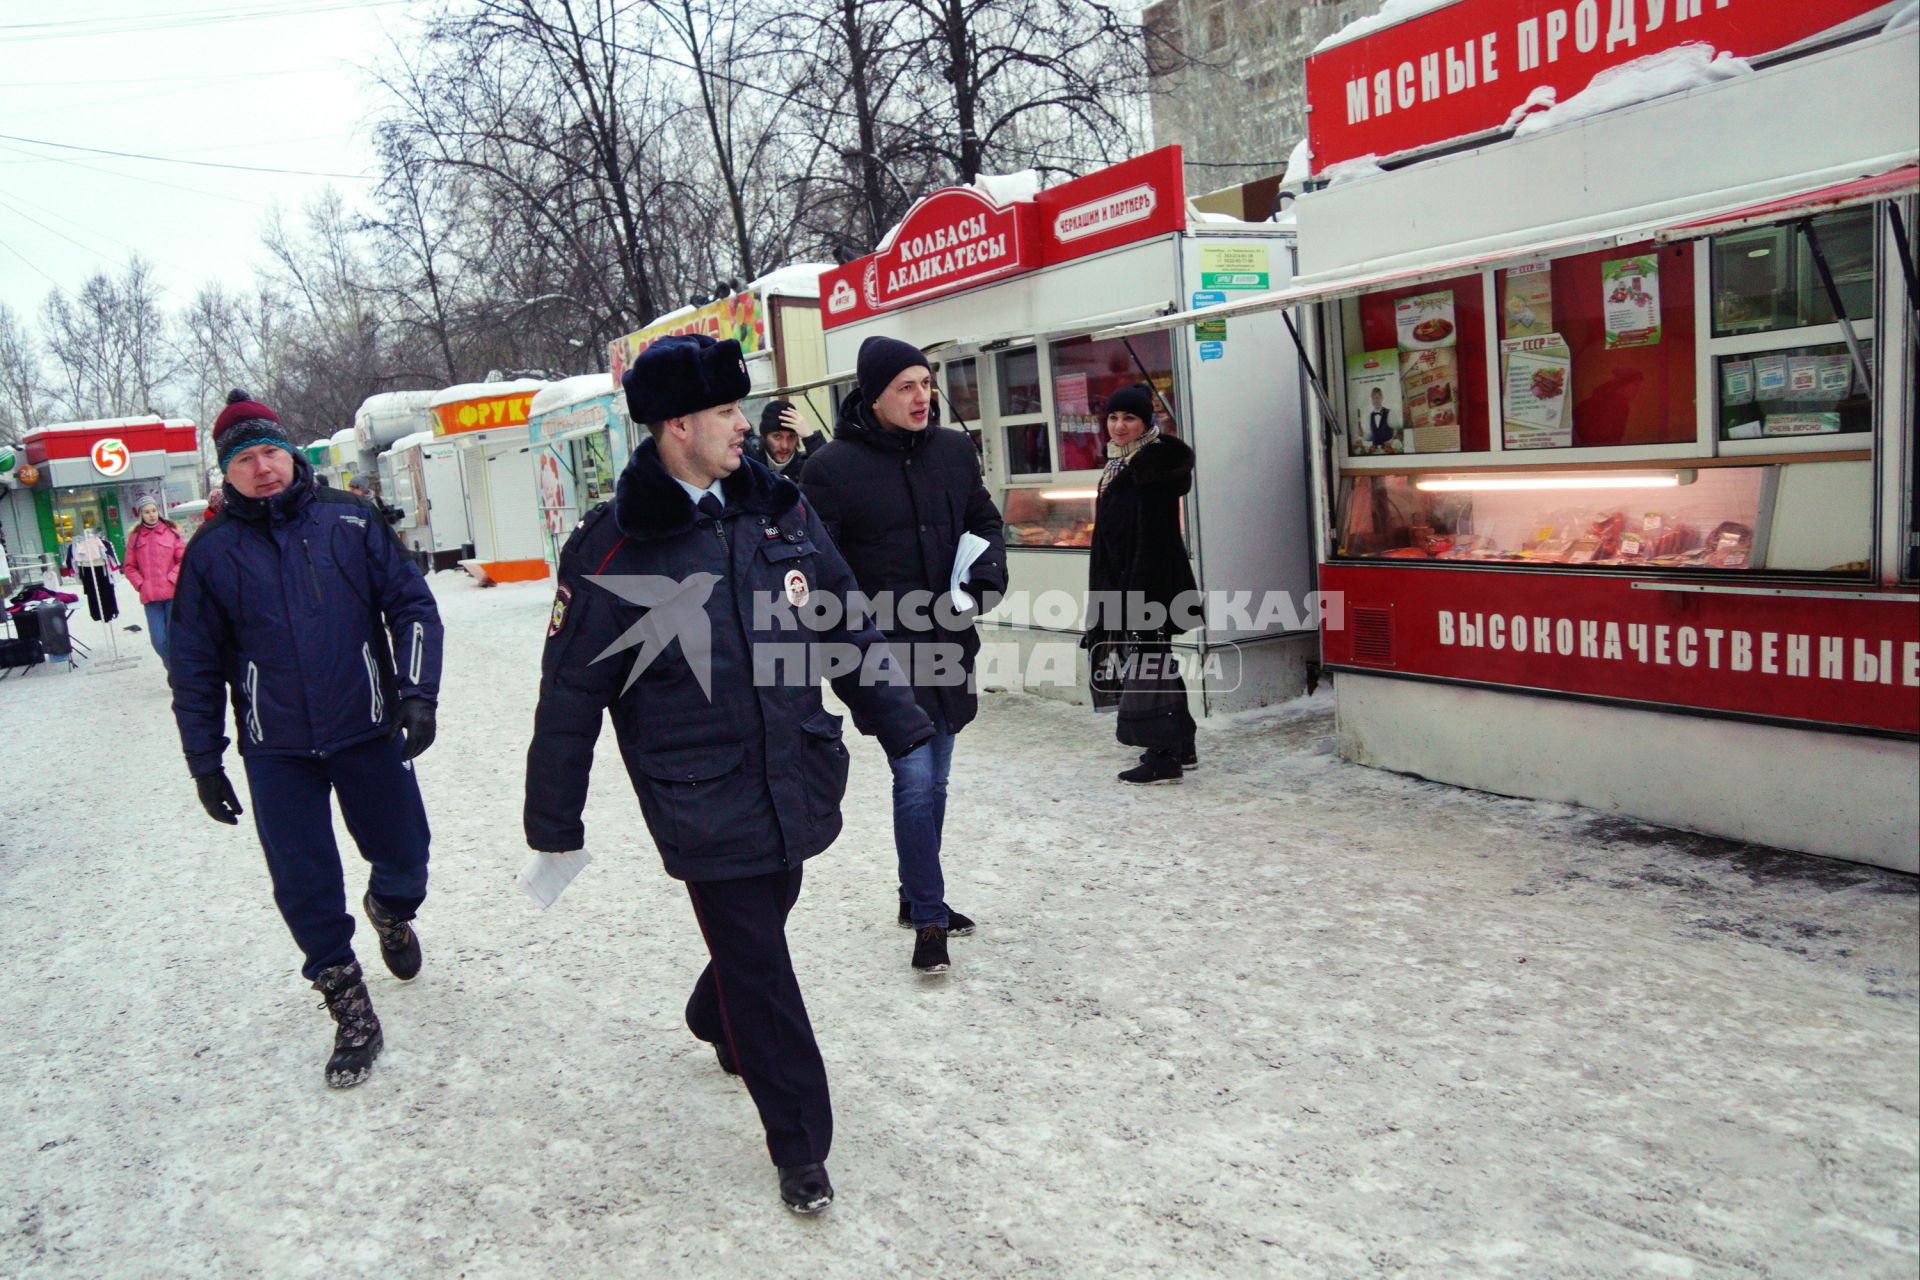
(1376, 418)
(1534, 373)
(1631, 289)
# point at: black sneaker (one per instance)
(930, 950)
(399, 946)
(1155, 766)
(958, 926)
(356, 1037)
(1189, 758)
(805, 1188)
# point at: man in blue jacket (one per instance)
(298, 605)
(680, 610)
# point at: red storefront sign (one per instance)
(957, 238)
(1465, 68)
(482, 413)
(58, 444)
(1847, 660)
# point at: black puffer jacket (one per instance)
(1137, 545)
(896, 503)
(741, 777)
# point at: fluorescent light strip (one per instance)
(1068, 495)
(1469, 484)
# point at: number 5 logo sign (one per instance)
(110, 456)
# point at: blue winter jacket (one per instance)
(296, 607)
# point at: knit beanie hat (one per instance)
(244, 423)
(770, 417)
(1136, 400)
(881, 360)
(682, 374)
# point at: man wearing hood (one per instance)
(896, 492)
(679, 612)
(298, 606)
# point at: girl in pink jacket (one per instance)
(153, 565)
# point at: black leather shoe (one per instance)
(805, 1188)
(930, 950)
(958, 926)
(1155, 767)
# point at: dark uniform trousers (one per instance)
(380, 800)
(749, 999)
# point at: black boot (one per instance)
(356, 1040)
(1189, 758)
(958, 926)
(930, 950)
(399, 945)
(805, 1187)
(1155, 766)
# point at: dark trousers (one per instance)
(102, 604)
(380, 799)
(749, 999)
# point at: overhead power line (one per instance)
(203, 164)
(178, 20)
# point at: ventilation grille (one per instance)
(1373, 636)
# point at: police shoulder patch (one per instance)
(558, 619)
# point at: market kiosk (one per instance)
(1006, 297)
(425, 483)
(487, 424)
(776, 321)
(96, 474)
(1615, 456)
(581, 434)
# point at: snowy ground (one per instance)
(1292, 1017)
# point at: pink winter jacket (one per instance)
(153, 560)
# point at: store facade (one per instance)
(486, 422)
(1615, 455)
(581, 436)
(97, 474)
(1006, 298)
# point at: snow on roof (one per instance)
(1687, 66)
(317, 444)
(395, 402)
(570, 391)
(668, 316)
(1366, 166)
(797, 280)
(484, 391)
(407, 442)
(1390, 13)
(342, 436)
(1006, 188)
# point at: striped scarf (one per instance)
(1119, 455)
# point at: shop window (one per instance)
(1642, 519)
(1039, 517)
(1597, 350)
(1416, 369)
(1019, 382)
(1793, 392)
(1086, 373)
(1766, 279)
(962, 398)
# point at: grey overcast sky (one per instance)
(279, 84)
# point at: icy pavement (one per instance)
(1292, 1017)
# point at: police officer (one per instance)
(298, 604)
(679, 610)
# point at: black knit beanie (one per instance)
(881, 360)
(1136, 400)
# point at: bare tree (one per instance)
(22, 383)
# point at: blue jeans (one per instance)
(159, 624)
(919, 812)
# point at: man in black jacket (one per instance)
(896, 493)
(679, 611)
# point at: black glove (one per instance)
(217, 798)
(416, 723)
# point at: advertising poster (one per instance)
(1801, 424)
(1225, 266)
(1736, 382)
(1836, 377)
(1803, 377)
(1770, 377)
(1428, 386)
(1534, 377)
(1425, 321)
(1376, 419)
(1631, 289)
(1528, 310)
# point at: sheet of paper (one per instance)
(548, 874)
(964, 554)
